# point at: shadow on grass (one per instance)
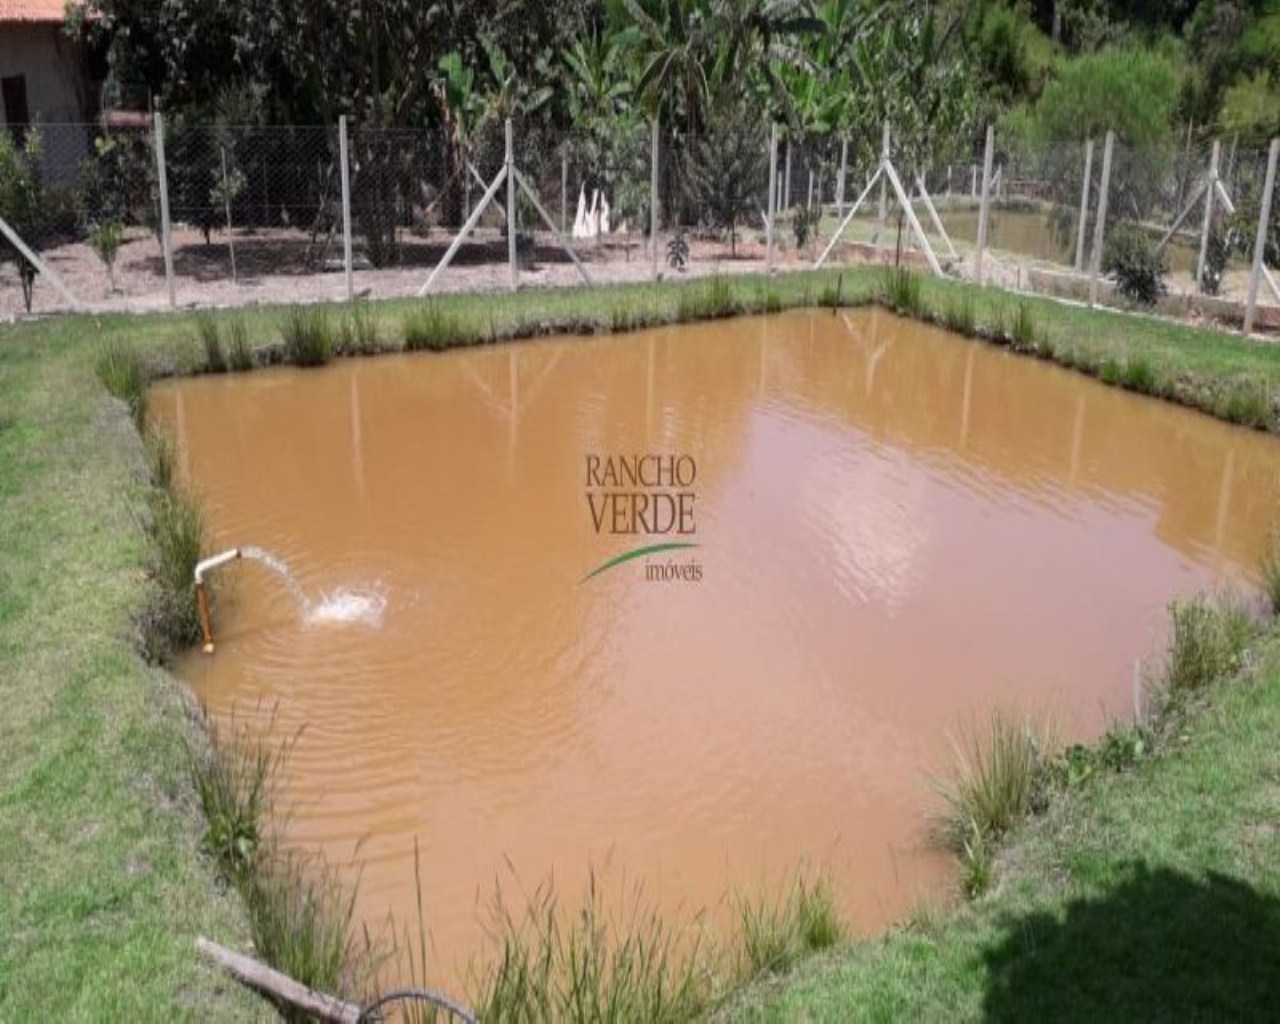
(1159, 946)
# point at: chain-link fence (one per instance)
(108, 218)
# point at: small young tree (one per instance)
(23, 202)
(1130, 257)
(724, 167)
(105, 237)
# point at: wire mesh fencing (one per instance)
(262, 213)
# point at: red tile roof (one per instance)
(32, 10)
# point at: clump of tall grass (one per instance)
(360, 330)
(429, 326)
(123, 373)
(162, 458)
(177, 527)
(711, 299)
(1024, 331)
(992, 780)
(1270, 569)
(901, 291)
(832, 296)
(959, 316)
(210, 336)
(308, 336)
(775, 933)
(1247, 403)
(233, 776)
(239, 351)
(1139, 375)
(977, 863)
(587, 968)
(300, 918)
(1207, 638)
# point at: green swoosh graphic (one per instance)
(652, 549)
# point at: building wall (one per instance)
(57, 84)
(58, 90)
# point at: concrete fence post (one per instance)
(1100, 224)
(773, 199)
(162, 182)
(511, 208)
(786, 179)
(653, 195)
(844, 170)
(1207, 224)
(226, 202)
(1260, 241)
(882, 213)
(984, 206)
(564, 193)
(1084, 204)
(345, 161)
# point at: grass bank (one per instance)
(1148, 890)
(102, 884)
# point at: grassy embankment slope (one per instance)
(102, 886)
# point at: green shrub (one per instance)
(1130, 256)
(308, 336)
(832, 296)
(993, 778)
(1110, 371)
(977, 863)
(430, 327)
(240, 353)
(215, 360)
(1207, 638)
(123, 373)
(162, 458)
(803, 225)
(901, 292)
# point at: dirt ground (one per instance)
(283, 265)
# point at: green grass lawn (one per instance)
(1148, 895)
(102, 885)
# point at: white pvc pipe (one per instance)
(215, 561)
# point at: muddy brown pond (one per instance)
(896, 530)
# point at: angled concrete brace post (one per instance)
(848, 217)
(346, 205)
(786, 179)
(773, 199)
(1100, 225)
(1205, 225)
(546, 217)
(901, 194)
(1084, 205)
(985, 203)
(933, 216)
(1260, 241)
(511, 209)
(162, 180)
(1196, 196)
(466, 229)
(41, 268)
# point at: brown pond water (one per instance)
(897, 530)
